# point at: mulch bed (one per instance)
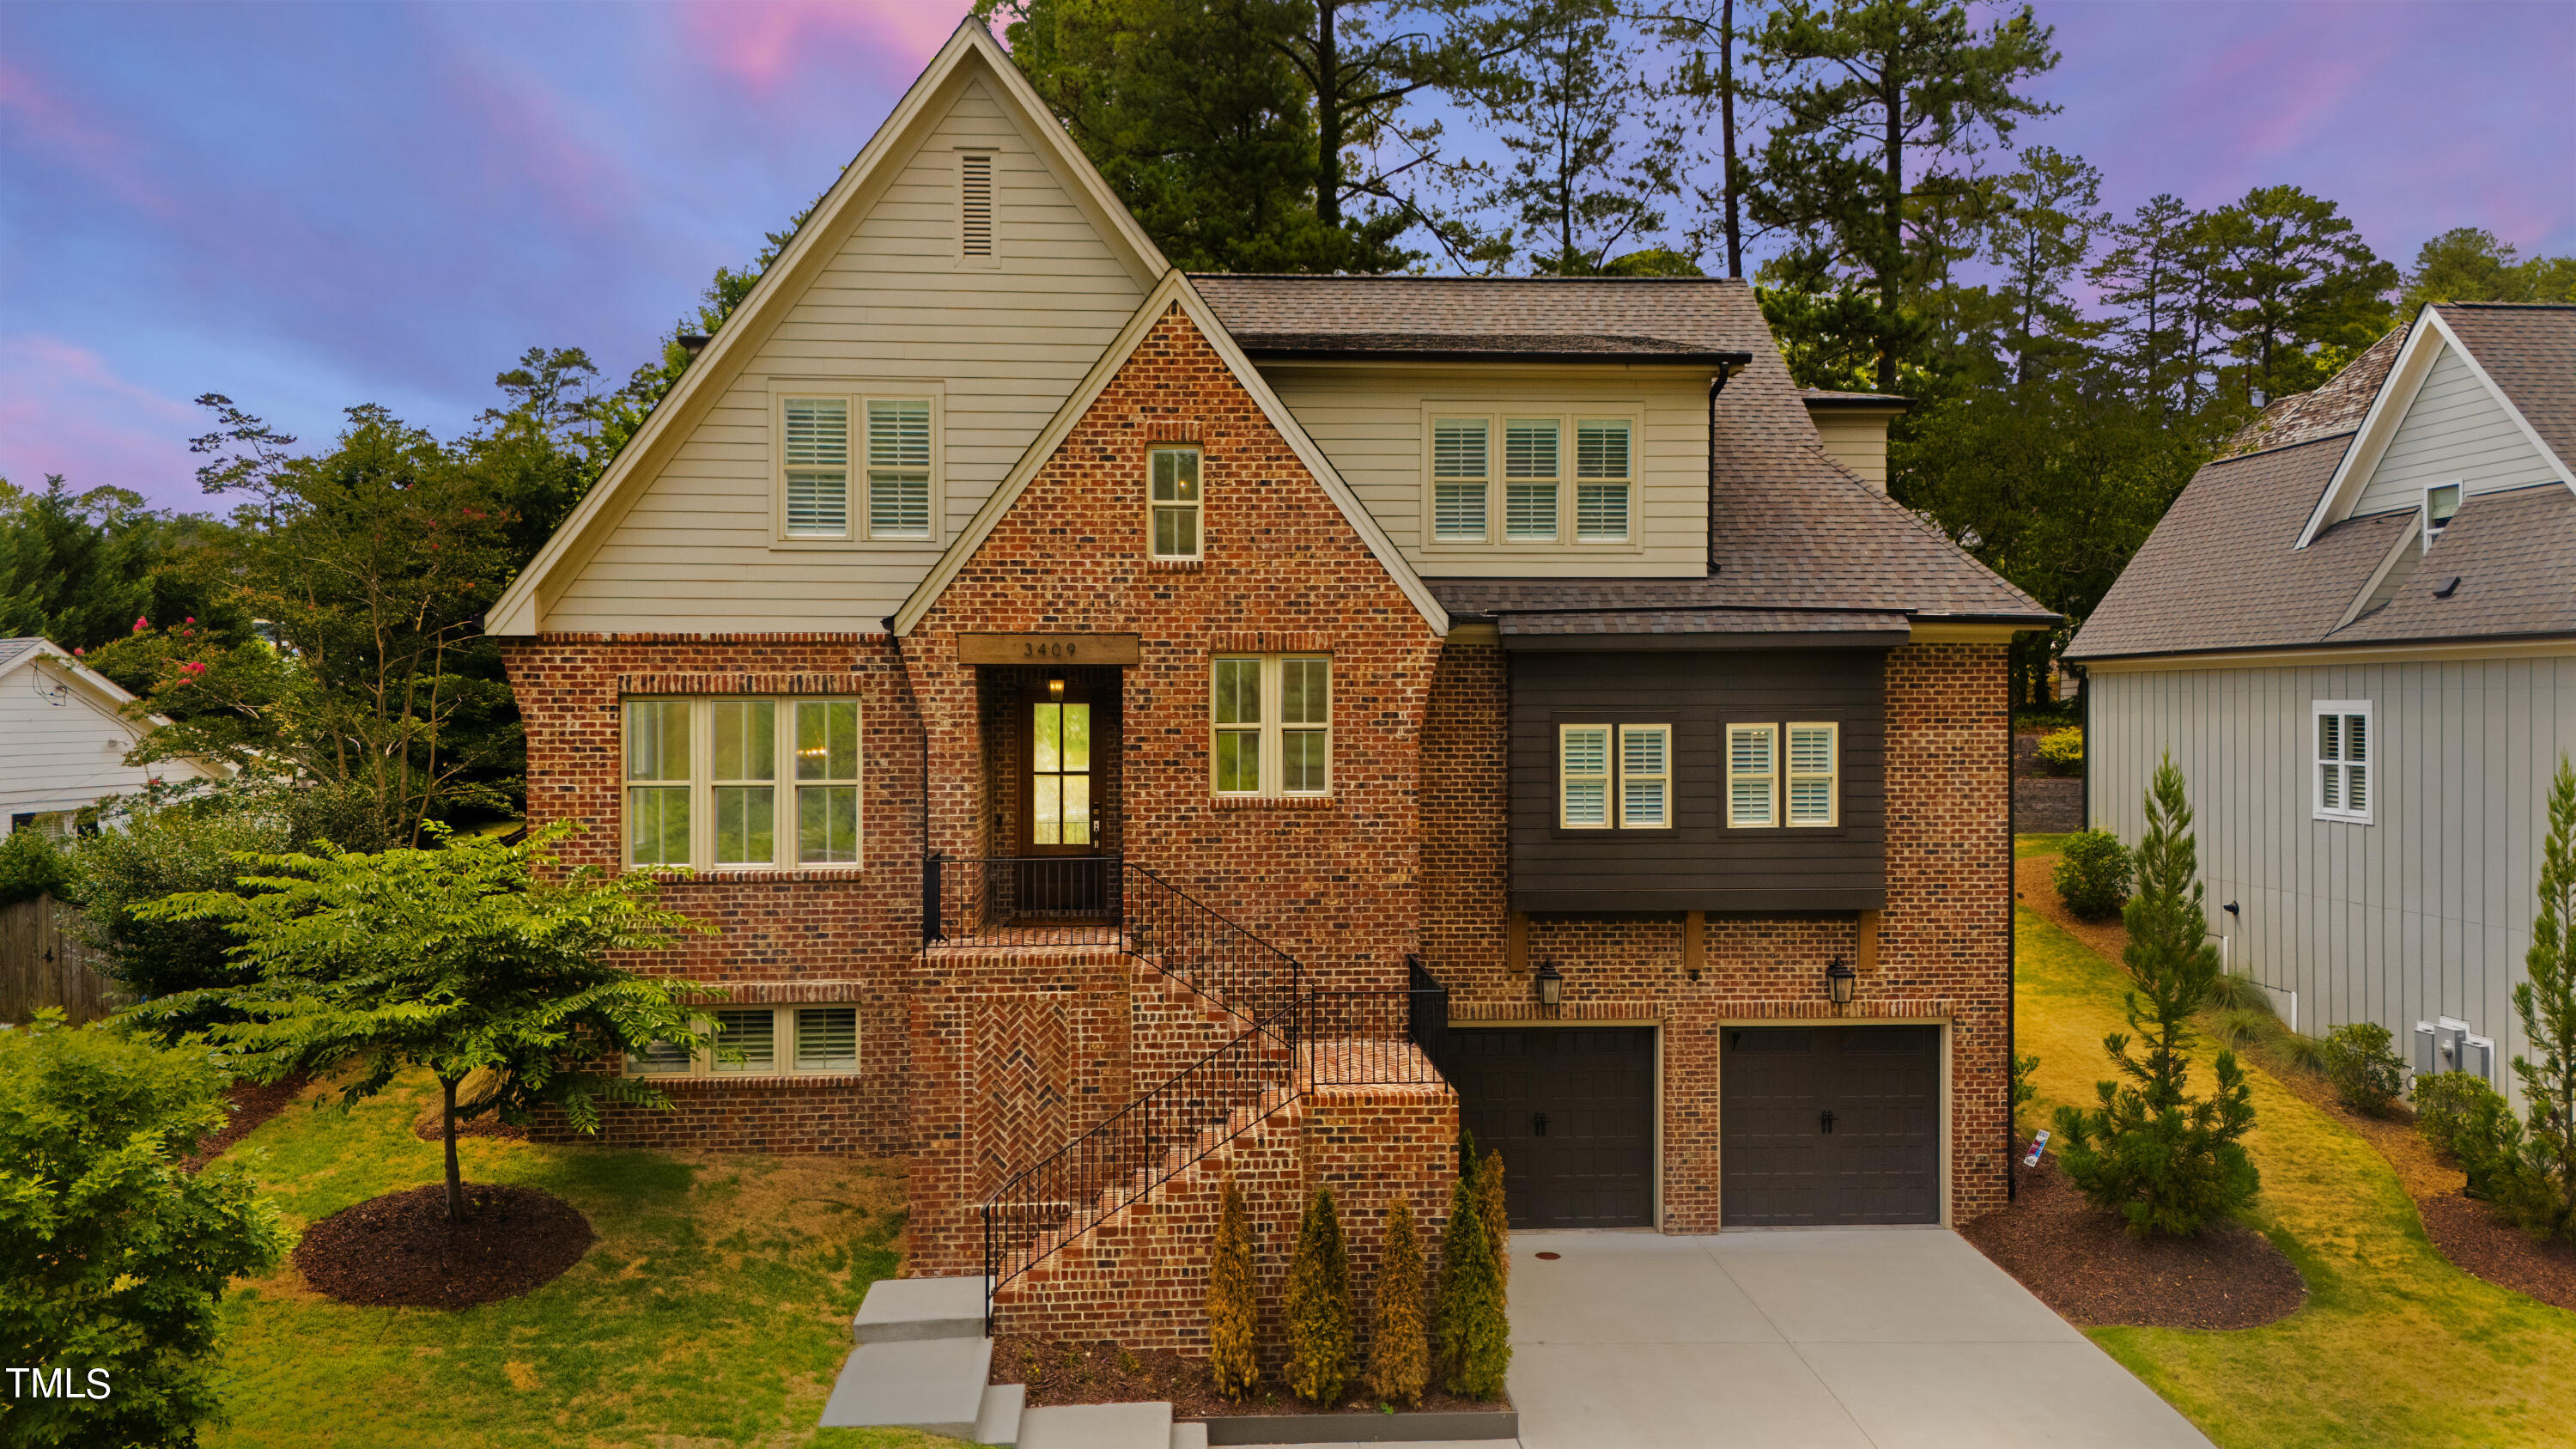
(2483, 1245)
(1104, 1373)
(250, 1103)
(2084, 1264)
(400, 1251)
(486, 1125)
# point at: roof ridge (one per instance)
(2516, 306)
(1444, 277)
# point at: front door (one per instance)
(1061, 872)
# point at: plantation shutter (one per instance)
(818, 467)
(899, 468)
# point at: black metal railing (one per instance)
(1216, 957)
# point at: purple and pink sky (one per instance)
(308, 206)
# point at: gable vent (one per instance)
(975, 200)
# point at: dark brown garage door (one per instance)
(1830, 1124)
(1572, 1109)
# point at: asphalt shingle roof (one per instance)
(12, 650)
(2514, 555)
(2331, 411)
(2530, 351)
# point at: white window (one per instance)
(761, 1041)
(975, 205)
(703, 778)
(818, 467)
(1583, 777)
(1645, 777)
(1461, 477)
(1270, 720)
(2343, 760)
(2441, 501)
(898, 468)
(1175, 502)
(1601, 480)
(1531, 464)
(1814, 763)
(1752, 775)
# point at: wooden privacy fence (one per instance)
(44, 962)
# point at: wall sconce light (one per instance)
(1549, 983)
(1055, 686)
(1839, 979)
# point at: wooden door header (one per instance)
(1049, 648)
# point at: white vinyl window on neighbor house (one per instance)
(742, 783)
(762, 1041)
(1614, 776)
(1270, 718)
(2344, 742)
(896, 460)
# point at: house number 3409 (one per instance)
(1033, 649)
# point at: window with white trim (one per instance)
(1645, 777)
(761, 1041)
(1752, 775)
(2441, 504)
(899, 467)
(818, 467)
(1815, 764)
(1614, 776)
(1270, 722)
(1531, 462)
(1602, 463)
(1176, 501)
(845, 451)
(704, 776)
(1461, 478)
(1583, 777)
(2344, 740)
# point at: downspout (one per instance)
(2084, 709)
(894, 641)
(2012, 944)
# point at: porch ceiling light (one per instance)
(1549, 983)
(1055, 686)
(1839, 979)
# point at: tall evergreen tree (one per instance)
(2156, 273)
(82, 568)
(2297, 288)
(1592, 160)
(2472, 264)
(1880, 104)
(2040, 234)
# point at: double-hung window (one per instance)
(1602, 463)
(761, 1041)
(888, 444)
(1461, 477)
(1752, 775)
(1176, 502)
(1531, 464)
(1614, 776)
(1814, 764)
(1270, 718)
(1784, 774)
(704, 779)
(2344, 742)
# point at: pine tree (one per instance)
(2165, 1161)
(2546, 1005)
(1233, 1300)
(1498, 1223)
(1475, 1334)
(1399, 1361)
(1320, 1319)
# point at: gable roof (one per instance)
(1174, 291)
(99, 690)
(971, 53)
(2529, 353)
(14, 650)
(2516, 574)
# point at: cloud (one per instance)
(64, 409)
(48, 126)
(767, 46)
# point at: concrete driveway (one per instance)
(1843, 1338)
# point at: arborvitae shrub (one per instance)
(2365, 1073)
(1319, 1305)
(2093, 875)
(1233, 1300)
(1475, 1334)
(2545, 1004)
(1498, 1222)
(1399, 1361)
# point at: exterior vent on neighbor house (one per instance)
(975, 203)
(2445, 1045)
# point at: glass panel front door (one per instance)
(1060, 776)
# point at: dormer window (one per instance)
(1517, 480)
(2441, 501)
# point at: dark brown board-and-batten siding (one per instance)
(1699, 863)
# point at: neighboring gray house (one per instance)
(2356, 634)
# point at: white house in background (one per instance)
(64, 738)
(2356, 634)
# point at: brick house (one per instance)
(1132, 729)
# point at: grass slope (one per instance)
(2395, 1347)
(714, 1309)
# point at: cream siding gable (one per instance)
(67, 741)
(2454, 430)
(1371, 421)
(872, 297)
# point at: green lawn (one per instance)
(2395, 1347)
(714, 1309)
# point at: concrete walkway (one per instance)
(1868, 1338)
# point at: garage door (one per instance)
(1830, 1124)
(1572, 1109)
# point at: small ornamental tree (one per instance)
(1498, 1222)
(467, 955)
(113, 1258)
(2546, 1005)
(1475, 1332)
(1399, 1360)
(1321, 1323)
(2163, 1160)
(1233, 1300)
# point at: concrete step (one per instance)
(932, 1384)
(998, 1421)
(1192, 1435)
(1098, 1426)
(899, 1310)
